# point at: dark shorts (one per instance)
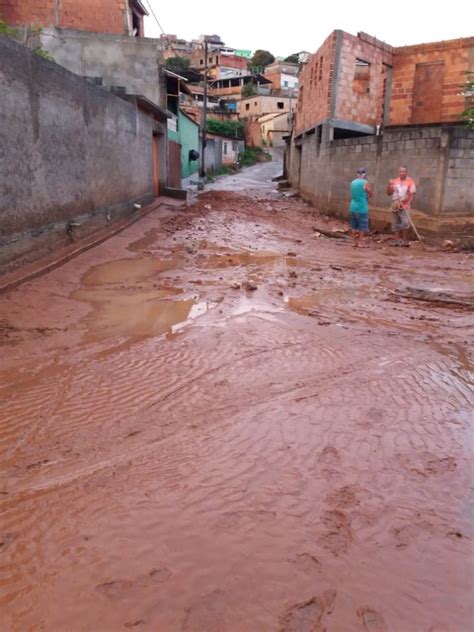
(360, 221)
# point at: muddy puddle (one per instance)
(257, 260)
(325, 297)
(129, 299)
(128, 270)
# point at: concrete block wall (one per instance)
(100, 16)
(440, 159)
(68, 149)
(427, 81)
(458, 189)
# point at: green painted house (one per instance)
(189, 136)
(183, 133)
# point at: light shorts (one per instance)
(400, 220)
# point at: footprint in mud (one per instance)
(34, 466)
(428, 464)
(372, 419)
(134, 624)
(115, 589)
(407, 533)
(372, 620)
(6, 540)
(337, 536)
(307, 563)
(207, 615)
(343, 497)
(118, 588)
(329, 461)
(307, 616)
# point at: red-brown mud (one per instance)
(179, 453)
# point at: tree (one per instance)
(292, 59)
(262, 58)
(468, 93)
(248, 90)
(177, 64)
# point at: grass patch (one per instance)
(251, 155)
(225, 170)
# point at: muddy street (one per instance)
(222, 420)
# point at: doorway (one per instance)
(156, 182)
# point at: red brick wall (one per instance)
(275, 77)
(427, 79)
(360, 88)
(253, 136)
(315, 81)
(101, 16)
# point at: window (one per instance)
(255, 104)
(285, 84)
(225, 149)
(234, 145)
(280, 105)
(217, 59)
(247, 106)
(362, 69)
(321, 68)
(137, 18)
(361, 83)
(201, 62)
(210, 60)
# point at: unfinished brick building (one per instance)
(359, 83)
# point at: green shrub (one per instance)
(235, 129)
(252, 155)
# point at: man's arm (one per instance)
(390, 187)
(368, 189)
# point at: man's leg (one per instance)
(356, 235)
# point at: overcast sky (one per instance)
(287, 27)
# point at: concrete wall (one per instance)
(68, 150)
(213, 155)
(231, 149)
(440, 159)
(120, 60)
(258, 105)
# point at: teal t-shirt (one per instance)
(359, 202)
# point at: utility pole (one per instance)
(204, 116)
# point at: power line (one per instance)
(161, 29)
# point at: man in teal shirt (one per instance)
(359, 207)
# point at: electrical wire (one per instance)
(161, 29)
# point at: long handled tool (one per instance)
(414, 227)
